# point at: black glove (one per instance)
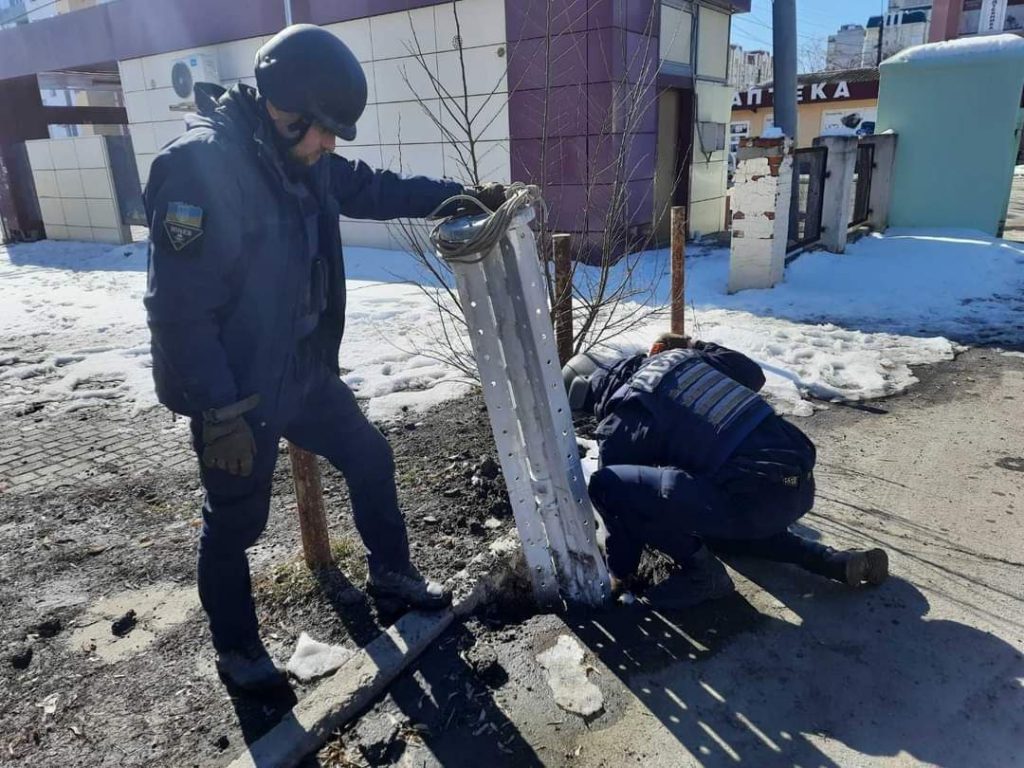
(491, 194)
(228, 443)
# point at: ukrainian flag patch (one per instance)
(183, 224)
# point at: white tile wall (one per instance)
(46, 183)
(69, 182)
(143, 139)
(369, 154)
(492, 157)
(237, 59)
(160, 102)
(414, 159)
(39, 156)
(97, 184)
(167, 131)
(485, 71)
(393, 34)
(52, 211)
(132, 78)
(76, 212)
(407, 122)
(367, 130)
(76, 201)
(404, 78)
(79, 233)
(481, 22)
(356, 35)
(392, 115)
(91, 152)
(102, 213)
(63, 153)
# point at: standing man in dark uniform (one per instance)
(246, 306)
(691, 454)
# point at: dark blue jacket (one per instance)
(689, 409)
(245, 253)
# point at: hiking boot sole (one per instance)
(871, 567)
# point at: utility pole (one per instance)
(784, 45)
(881, 33)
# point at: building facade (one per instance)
(827, 102)
(618, 108)
(962, 18)
(845, 48)
(749, 68)
(887, 35)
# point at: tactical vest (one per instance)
(703, 413)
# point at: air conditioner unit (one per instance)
(186, 72)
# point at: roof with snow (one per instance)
(966, 50)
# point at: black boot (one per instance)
(854, 567)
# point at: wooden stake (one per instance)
(678, 269)
(309, 497)
(563, 296)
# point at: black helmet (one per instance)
(306, 69)
(576, 376)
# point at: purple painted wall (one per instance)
(582, 111)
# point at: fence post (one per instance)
(563, 296)
(678, 268)
(837, 197)
(309, 498)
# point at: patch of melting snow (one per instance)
(313, 659)
(567, 677)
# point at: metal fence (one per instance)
(808, 188)
(862, 177)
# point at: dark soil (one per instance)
(165, 706)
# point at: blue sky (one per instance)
(815, 19)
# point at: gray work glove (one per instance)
(228, 443)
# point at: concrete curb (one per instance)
(369, 672)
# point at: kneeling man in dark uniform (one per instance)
(690, 454)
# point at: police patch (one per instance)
(183, 224)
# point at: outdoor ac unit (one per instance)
(196, 68)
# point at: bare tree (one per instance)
(611, 293)
(812, 56)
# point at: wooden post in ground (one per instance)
(309, 497)
(563, 296)
(678, 269)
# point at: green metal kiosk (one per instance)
(956, 108)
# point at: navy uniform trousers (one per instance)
(672, 510)
(318, 413)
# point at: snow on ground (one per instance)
(841, 327)
(848, 326)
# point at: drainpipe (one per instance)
(784, 50)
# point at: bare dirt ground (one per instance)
(790, 670)
(78, 555)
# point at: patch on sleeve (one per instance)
(183, 224)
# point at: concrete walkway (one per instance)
(793, 671)
(1015, 211)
